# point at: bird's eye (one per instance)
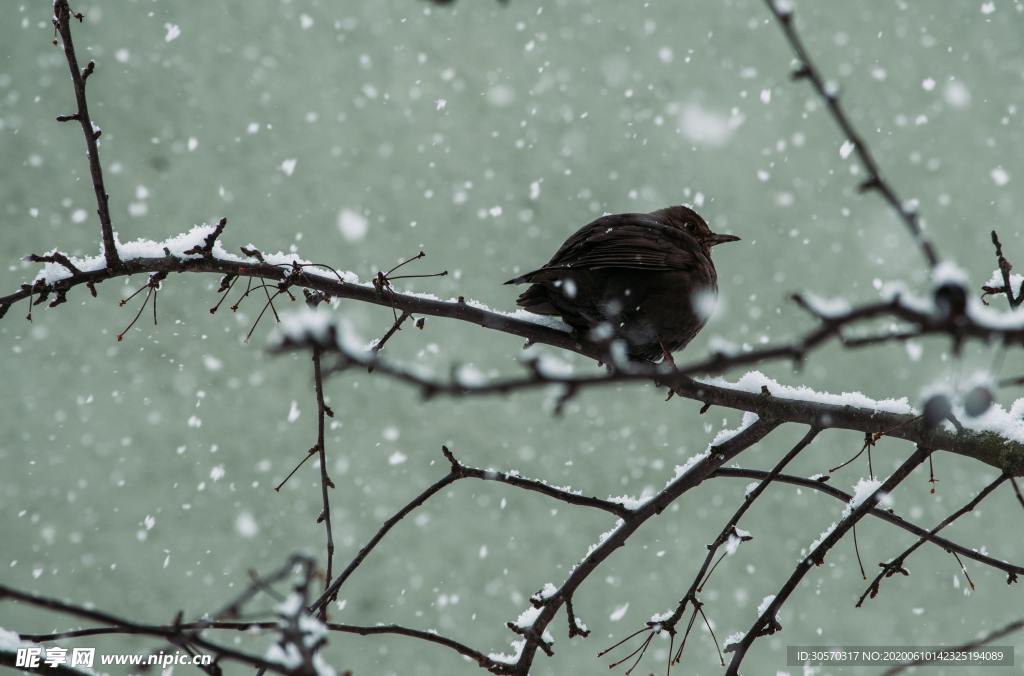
(688, 225)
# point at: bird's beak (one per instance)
(722, 239)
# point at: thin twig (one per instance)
(172, 634)
(766, 622)
(727, 532)
(884, 514)
(458, 471)
(325, 479)
(895, 565)
(807, 69)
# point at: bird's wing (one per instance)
(633, 241)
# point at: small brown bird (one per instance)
(645, 279)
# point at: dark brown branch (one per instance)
(429, 636)
(395, 328)
(62, 19)
(806, 69)
(988, 447)
(895, 565)
(206, 248)
(55, 257)
(766, 622)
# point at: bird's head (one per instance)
(689, 220)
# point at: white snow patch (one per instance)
(821, 538)
(864, 489)
(527, 617)
(753, 381)
(546, 592)
(735, 540)
(725, 435)
(510, 658)
(996, 280)
(733, 638)
(826, 307)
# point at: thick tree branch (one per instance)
(667, 622)
(690, 477)
(986, 446)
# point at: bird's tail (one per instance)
(536, 300)
(524, 278)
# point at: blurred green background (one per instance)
(138, 476)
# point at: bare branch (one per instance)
(667, 623)
(1004, 269)
(806, 69)
(991, 448)
(456, 472)
(895, 565)
(883, 514)
(172, 634)
(766, 622)
(715, 457)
